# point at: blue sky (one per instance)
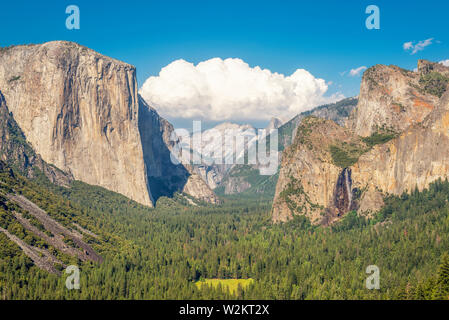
(324, 37)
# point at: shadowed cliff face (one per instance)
(165, 178)
(344, 200)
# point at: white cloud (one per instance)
(357, 71)
(445, 62)
(407, 45)
(230, 89)
(417, 47)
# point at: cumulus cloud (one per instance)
(230, 89)
(421, 45)
(445, 62)
(357, 71)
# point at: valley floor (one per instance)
(165, 253)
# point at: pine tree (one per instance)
(443, 279)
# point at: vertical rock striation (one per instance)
(79, 110)
(18, 154)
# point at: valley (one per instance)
(162, 253)
(87, 180)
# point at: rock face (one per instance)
(234, 179)
(197, 188)
(275, 123)
(419, 156)
(79, 111)
(426, 67)
(164, 177)
(18, 154)
(330, 170)
(391, 99)
(211, 174)
(82, 113)
(308, 176)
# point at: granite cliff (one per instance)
(396, 140)
(308, 175)
(417, 157)
(80, 111)
(392, 99)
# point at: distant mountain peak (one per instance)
(232, 126)
(275, 123)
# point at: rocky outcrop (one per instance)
(41, 258)
(391, 99)
(418, 156)
(197, 188)
(79, 110)
(58, 232)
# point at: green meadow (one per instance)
(231, 284)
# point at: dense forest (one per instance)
(161, 253)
